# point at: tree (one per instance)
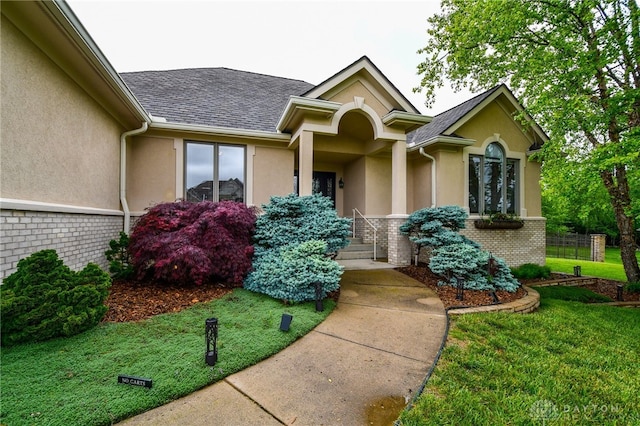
(573, 63)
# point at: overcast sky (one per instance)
(305, 40)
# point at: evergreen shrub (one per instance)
(185, 242)
(436, 227)
(454, 255)
(529, 271)
(289, 272)
(295, 239)
(120, 264)
(45, 299)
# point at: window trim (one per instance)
(520, 208)
(216, 170)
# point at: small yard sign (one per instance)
(135, 381)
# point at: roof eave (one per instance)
(302, 105)
(68, 22)
(441, 140)
(158, 124)
(406, 120)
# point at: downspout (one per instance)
(433, 176)
(123, 173)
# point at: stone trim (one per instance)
(525, 305)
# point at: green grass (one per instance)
(73, 381)
(575, 294)
(569, 363)
(611, 268)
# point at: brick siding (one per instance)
(515, 246)
(77, 238)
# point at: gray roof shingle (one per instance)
(444, 120)
(215, 96)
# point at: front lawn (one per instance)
(568, 363)
(73, 381)
(610, 269)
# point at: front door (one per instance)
(325, 183)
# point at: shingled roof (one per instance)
(444, 120)
(215, 96)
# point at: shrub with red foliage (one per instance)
(185, 242)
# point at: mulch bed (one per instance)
(447, 294)
(134, 301)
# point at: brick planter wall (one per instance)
(515, 246)
(77, 238)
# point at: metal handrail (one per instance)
(375, 230)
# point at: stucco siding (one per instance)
(356, 88)
(495, 120)
(378, 186)
(354, 186)
(449, 178)
(419, 184)
(272, 173)
(151, 172)
(58, 144)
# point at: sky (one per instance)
(303, 39)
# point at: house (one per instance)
(86, 150)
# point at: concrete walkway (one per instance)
(359, 367)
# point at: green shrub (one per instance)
(289, 273)
(45, 299)
(120, 264)
(530, 271)
(454, 255)
(294, 240)
(573, 294)
(292, 220)
(633, 287)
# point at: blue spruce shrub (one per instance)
(294, 241)
(454, 255)
(289, 272)
(436, 227)
(471, 264)
(292, 220)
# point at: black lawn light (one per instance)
(211, 337)
(577, 271)
(319, 305)
(285, 322)
(619, 292)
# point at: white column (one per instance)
(305, 163)
(399, 178)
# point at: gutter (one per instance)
(123, 173)
(433, 176)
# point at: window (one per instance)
(214, 172)
(493, 182)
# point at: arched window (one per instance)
(493, 181)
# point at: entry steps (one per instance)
(356, 250)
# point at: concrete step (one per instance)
(356, 250)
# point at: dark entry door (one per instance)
(325, 184)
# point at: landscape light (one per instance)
(211, 337)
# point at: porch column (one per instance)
(399, 178)
(399, 252)
(305, 163)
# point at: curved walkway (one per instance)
(376, 347)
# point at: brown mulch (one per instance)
(447, 294)
(610, 288)
(134, 301)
